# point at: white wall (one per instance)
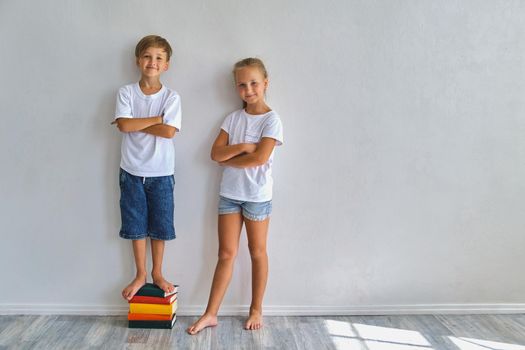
(400, 185)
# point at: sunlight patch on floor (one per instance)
(478, 344)
(346, 335)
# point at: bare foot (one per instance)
(203, 322)
(162, 283)
(133, 287)
(254, 321)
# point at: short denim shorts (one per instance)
(255, 211)
(146, 206)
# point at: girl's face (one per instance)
(251, 84)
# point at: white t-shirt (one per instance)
(145, 154)
(250, 184)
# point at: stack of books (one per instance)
(151, 307)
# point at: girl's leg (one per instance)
(139, 252)
(230, 226)
(257, 232)
(157, 253)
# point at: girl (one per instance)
(244, 147)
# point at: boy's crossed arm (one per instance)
(149, 125)
(162, 130)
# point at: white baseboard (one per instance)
(272, 310)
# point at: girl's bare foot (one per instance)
(203, 322)
(254, 321)
(162, 283)
(133, 287)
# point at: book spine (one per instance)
(168, 324)
(150, 324)
(152, 300)
(149, 317)
(160, 309)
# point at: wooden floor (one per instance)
(353, 332)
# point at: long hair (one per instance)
(250, 62)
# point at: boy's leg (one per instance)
(257, 233)
(161, 227)
(157, 254)
(134, 216)
(139, 253)
(230, 226)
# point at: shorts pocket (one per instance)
(122, 176)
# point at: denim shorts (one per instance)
(255, 211)
(146, 206)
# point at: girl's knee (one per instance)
(225, 254)
(257, 252)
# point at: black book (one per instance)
(153, 324)
(152, 290)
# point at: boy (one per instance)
(148, 114)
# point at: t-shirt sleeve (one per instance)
(274, 129)
(226, 124)
(173, 112)
(123, 109)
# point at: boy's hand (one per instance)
(117, 123)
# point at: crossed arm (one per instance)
(150, 125)
(241, 155)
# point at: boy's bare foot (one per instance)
(133, 287)
(162, 283)
(254, 321)
(203, 322)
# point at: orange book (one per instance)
(157, 309)
(148, 317)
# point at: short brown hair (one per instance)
(153, 41)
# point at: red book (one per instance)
(148, 317)
(142, 299)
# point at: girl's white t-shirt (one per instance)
(144, 154)
(252, 184)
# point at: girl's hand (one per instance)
(250, 147)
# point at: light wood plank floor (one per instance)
(338, 332)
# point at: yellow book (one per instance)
(157, 309)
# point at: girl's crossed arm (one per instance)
(221, 151)
(261, 155)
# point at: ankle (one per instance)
(141, 274)
(255, 310)
(209, 314)
(156, 273)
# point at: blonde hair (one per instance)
(250, 62)
(153, 41)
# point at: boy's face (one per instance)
(153, 62)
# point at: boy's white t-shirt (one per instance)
(252, 184)
(145, 154)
